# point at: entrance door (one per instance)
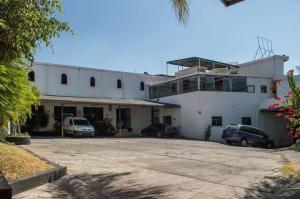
(93, 114)
(125, 120)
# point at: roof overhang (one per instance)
(197, 61)
(230, 2)
(100, 101)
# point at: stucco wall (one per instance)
(48, 80)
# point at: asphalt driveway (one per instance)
(160, 168)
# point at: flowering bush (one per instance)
(290, 110)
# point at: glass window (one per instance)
(81, 122)
(92, 82)
(154, 92)
(239, 84)
(263, 89)
(31, 76)
(167, 120)
(207, 83)
(68, 111)
(119, 83)
(216, 121)
(168, 89)
(64, 79)
(188, 84)
(142, 86)
(246, 121)
(251, 88)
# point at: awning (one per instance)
(131, 102)
(197, 61)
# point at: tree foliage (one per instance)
(25, 24)
(181, 8)
(17, 94)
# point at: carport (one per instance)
(129, 116)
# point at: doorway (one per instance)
(93, 114)
(125, 121)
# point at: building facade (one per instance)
(202, 93)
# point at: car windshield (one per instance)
(231, 127)
(81, 122)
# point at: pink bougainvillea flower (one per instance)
(270, 107)
(277, 98)
(279, 114)
(282, 109)
(286, 117)
(287, 96)
(273, 88)
(278, 81)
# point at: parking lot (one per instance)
(160, 168)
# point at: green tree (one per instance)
(17, 95)
(25, 24)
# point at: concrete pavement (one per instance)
(160, 168)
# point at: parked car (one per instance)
(159, 130)
(246, 135)
(78, 126)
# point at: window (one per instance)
(64, 79)
(92, 82)
(207, 83)
(263, 89)
(246, 121)
(71, 122)
(167, 120)
(68, 111)
(119, 83)
(31, 76)
(251, 88)
(239, 84)
(167, 89)
(216, 121)
(142, 86)
(188, 84)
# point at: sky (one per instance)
(142, 35)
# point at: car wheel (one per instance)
(228, 142)
(74, 134)
(159, 134)
(244, 142)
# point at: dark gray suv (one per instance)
(246, 135)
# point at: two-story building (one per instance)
(202, 93)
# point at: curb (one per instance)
(5, 189)
(29, 182)
(48, 176)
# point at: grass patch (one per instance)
(291, 170)
(16, 162)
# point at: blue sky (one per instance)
(141, 35)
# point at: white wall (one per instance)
(267, 67)
(197, 109)
(48, 80)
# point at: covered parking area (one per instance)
(128, 116)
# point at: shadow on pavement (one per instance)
(103, 186)
(277, 187)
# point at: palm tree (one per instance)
(181, 8)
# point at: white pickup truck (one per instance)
(78, 126)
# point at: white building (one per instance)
(202, 93)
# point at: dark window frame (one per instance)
(92, 82)
(31, 76)
(264, 89)
(64, 79)
(119, 83)
(217, 121)
(245, 121)
(167, 119)
(142, 86)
